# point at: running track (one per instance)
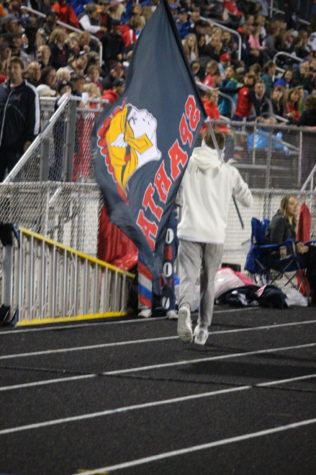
(128, 397)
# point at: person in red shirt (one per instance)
(210, 101)
(117, 90)
(211, 70)
(293, 104)
(231, 15)
(66, 13)
(244, 103)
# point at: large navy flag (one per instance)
(142, 144)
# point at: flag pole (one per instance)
(210, 128)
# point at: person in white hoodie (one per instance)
(206, 190)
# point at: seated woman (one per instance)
(283, 226)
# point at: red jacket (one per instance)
(230, 8)
(128, 34)
(66, 14)
(110, 96)
(290, 108)
(213, 113)
(244, 103)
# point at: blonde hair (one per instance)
(93, 90)
(188, 49)
(62, 73)
(283, 208)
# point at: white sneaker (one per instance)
(145, 313)
(185, 325)
(172, 315)
(200, 335)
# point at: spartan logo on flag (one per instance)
(141, 144)
(128, 140)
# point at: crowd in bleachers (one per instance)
(94, 51)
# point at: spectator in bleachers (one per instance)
(231, 14)
(308, 117)
(82, 157)
(49, 77)
(216, 47)
(113, 47)
(285, 80)
(263, 7)
(190, 47)
(210, 101)
(43, 56)
(256, 69)
(224, 63)
(263, 112)
(115, 92)
(269, 69)
(260, 21)
(230, 46)
(90, 20)
(255, 40)
(301, 77)
(278, 100)
(273, 30)
(59, 48)
(78, 82)
(49, 25)
(78, 64)
(248, 7)
(195, 16)
(93, 75)
(33, 73)
(85, 42)
(244, 99)
(73, 43)
(284, 42)
(19, 116)
(229, 82)
(63, 73)
(293, 104)
(131, 30)
(64, 90)
(117, 8)
(45, 91)
(182, 23)
(116, 72)
(300, 44)
(211, 70)
(204, 50)
(197, 71)
(248, 55)
(65, 13)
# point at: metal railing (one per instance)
(43, 281)
(287, 55)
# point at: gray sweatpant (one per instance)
(195, 257)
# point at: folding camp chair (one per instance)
(263, 261)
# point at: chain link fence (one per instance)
(52, 189)
(268, 156)
(65, 212)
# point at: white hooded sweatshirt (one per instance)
(206, 190)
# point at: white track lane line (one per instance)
(196, 448)
(151, 404)
(156, 366)
(150, 340)
(17, 330)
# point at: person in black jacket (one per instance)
(282, 227)
(19, 116)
